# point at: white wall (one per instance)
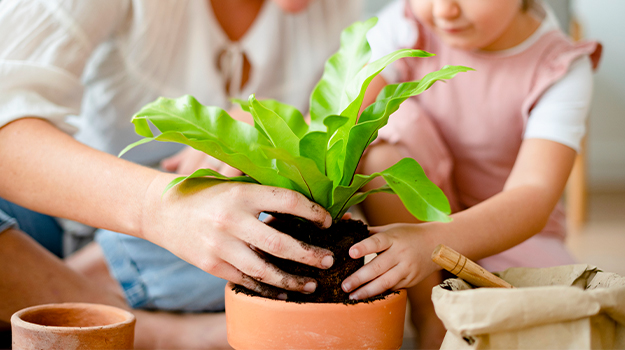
(603, 20)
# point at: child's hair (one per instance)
(527, 4)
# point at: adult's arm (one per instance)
(208, 223)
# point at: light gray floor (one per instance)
(601, 241)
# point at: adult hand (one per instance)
(214, 225)
(403, 259)
(189, 160)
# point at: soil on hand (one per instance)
(338, 238)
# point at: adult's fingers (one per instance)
(276, 243)
(251, 264)
(224, 270)
(280, 200)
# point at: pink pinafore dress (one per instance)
(467, 132)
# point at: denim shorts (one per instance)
(6, 222)
(155, 279)
(42, 228)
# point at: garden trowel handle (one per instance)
(466, 269)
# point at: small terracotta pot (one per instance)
(73, 326)
(260, 323)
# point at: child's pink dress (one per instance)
(467, 132)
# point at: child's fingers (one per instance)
(374, 244)
(379, 266)
(171, 163)
(377, 229)
(387, 281)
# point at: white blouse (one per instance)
(561, 112)
(88, 65)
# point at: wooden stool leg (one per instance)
(576, 193)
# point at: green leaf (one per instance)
(423, 199)
(254, 163)
(288, 113)
(361, 196)
(303, 172)
(274, 127)
(335, 158)
(135, 144)
(319, 161)
(339, 70)
(414, 88)
(355, 91)
(211, 130)
(313, 146)
(245, 105)
(374, 117)
(342, 194)
(291, 116)
(207, 173)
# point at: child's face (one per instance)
(469, 24)
(292, 6)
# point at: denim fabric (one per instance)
(43, 228)
(6, 222)
(154, 278)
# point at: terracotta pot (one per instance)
(260, 323)
(73, 326)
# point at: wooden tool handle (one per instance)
(466, 269)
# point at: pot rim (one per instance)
(317, 306)
(16, 318)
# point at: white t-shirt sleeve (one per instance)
(560, 114)
(392, 32)
(44, 47)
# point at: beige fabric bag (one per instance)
(564, 307)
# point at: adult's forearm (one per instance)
(46, 170)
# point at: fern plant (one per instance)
(318, 159)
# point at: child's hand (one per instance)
(403, 260)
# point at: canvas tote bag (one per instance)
(564, 307)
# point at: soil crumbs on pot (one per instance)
(240, 289)
(338, 238)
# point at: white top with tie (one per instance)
(89, 65)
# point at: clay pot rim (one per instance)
(16, 318)
(304, 305)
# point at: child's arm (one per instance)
(493, 226)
